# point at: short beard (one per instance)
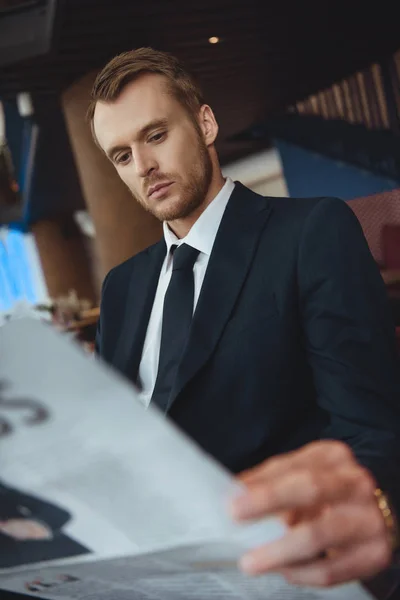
(193, 194)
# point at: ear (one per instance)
(208, 124)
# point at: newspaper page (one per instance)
(175, 574)
(88, 474)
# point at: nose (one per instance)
(144, 162)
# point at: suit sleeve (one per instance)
(350, 339)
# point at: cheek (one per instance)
(179, 156)
(128, 178)
(189, 168)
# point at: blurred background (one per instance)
(307, 98)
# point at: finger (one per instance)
(308, 540)
(301, 489)
(358, 562)
(322, 453)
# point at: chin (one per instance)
(171, 210)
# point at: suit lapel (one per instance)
(231, 258)
(140, 298)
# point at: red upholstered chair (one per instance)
(391, 246)
(379, 216)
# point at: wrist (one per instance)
(389, 516)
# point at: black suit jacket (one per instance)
(291, 341)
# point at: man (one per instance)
(31, 530)
(290, 350)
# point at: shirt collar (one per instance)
(203, 233)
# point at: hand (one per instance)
(336, 532)
(25, 529)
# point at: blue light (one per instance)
(15, 272)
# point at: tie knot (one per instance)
(184, 257)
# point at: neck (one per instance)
(181, 227)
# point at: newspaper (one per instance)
(100, 497)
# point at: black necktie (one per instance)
(177, 317)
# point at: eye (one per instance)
(157, 137)
(123, 159)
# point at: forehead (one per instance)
(142, 101)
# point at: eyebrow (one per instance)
(155, 124)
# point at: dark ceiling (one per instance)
(270, 54)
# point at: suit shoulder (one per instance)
(294, 213)
(120, 273)
(304, 206)
(300, 212)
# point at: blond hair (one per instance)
(128, 66)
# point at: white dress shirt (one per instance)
(201, 236)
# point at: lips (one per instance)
(159, 190)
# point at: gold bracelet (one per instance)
(388, 516)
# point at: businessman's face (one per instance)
(159, 151)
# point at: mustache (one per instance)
(158, 178)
